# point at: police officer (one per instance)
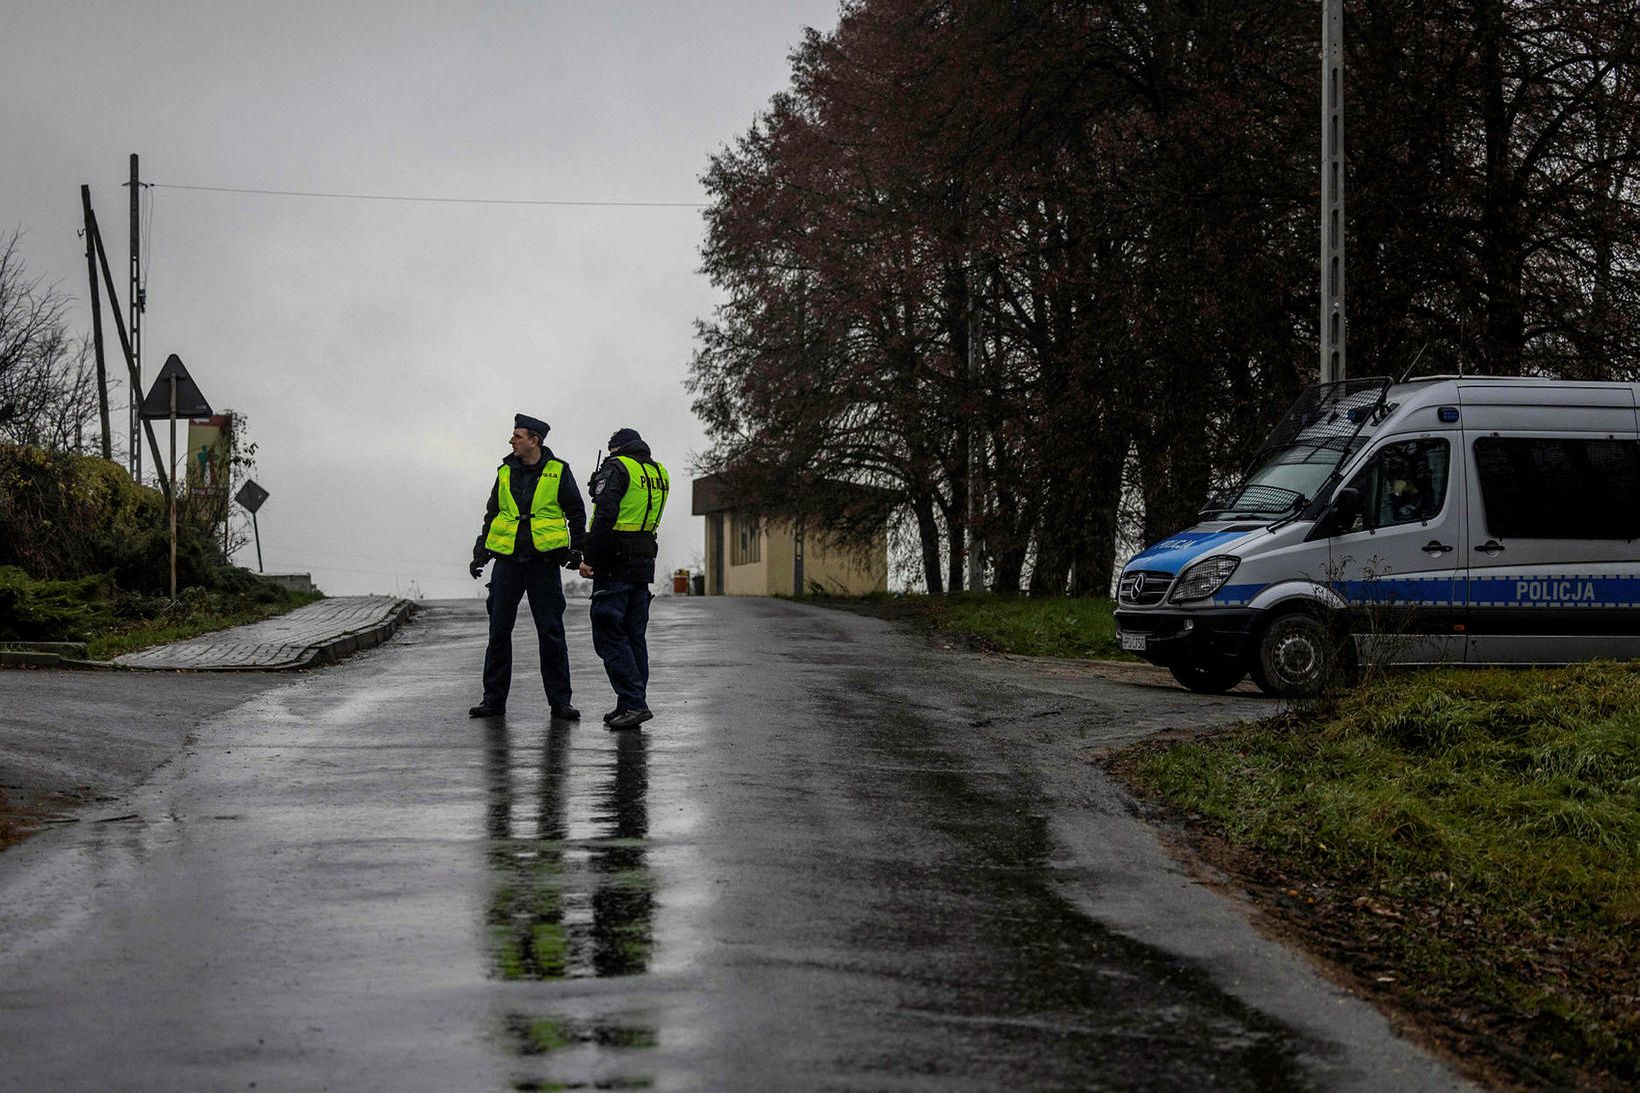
(534, 523)
(629, 494)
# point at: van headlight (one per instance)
(1204, 578)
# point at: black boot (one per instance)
(484, 709)
(629, 719)
(566, 712)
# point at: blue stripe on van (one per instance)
(1237, 595)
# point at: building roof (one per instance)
(714, 493)
(709, 495)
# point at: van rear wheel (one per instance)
(1295, 656)
(1212, 677)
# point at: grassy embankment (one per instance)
(1466, 843)
(111, 620)
(84, 556)
(1060, 626)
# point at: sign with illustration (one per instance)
(210, 447)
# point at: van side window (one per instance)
(1404, 483)
(1559, 487)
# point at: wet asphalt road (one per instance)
(837, 859)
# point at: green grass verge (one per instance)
(1047, 626)
(196, 612)
(1470, 840)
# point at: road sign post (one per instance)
(250, 498)
(174, 394)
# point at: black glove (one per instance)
(477, 568)
(573, 561)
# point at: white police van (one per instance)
(1446, 520)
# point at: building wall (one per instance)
(842, 572)
(716, 561)
(778, 551)
(837, 571)
(752, 578)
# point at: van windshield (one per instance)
(1287, 479)
(1327, 423)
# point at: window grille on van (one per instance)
(1144, 588)
(1320, 430)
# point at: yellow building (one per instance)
(752, 554)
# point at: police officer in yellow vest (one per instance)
(535, 522)
(629, 494)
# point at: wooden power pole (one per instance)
(96, 320)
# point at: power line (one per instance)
(436, 200)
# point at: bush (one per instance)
(66, 517)
(52, 610)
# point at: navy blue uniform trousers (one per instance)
(620, 617)
(510, 581)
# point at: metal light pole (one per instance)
(1333, 329)
(976, 442)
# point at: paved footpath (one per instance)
(320, 633)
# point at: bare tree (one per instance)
(48, 383)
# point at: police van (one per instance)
(1446, 520)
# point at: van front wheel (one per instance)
(1295, 656)
(1212, 677)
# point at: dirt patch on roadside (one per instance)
(23, 814)
(1356, 939)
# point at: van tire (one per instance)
(1212, 677)
(1295, 657)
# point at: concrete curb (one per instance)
(350, 627)
(329, 651)
(345, 645)
(48, 654)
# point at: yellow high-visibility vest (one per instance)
(647, 486)
(548, 528)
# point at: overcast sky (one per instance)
(379, 349)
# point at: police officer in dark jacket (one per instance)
(629, 494)
(535, 523)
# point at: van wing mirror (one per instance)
(1346, 506)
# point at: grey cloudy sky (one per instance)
(379, 349)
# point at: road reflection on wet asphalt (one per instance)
(571, 900)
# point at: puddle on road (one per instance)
(571, 900)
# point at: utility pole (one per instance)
(125, 345)
(96, 319)
(136, 303)
(1333, 329)
(976, 442)
(173, 490)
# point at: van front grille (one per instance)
(1144, 588)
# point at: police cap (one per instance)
(533, 424)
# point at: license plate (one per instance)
(1135, 643)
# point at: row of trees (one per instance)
(1073, 243)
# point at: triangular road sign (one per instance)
(190, 403)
